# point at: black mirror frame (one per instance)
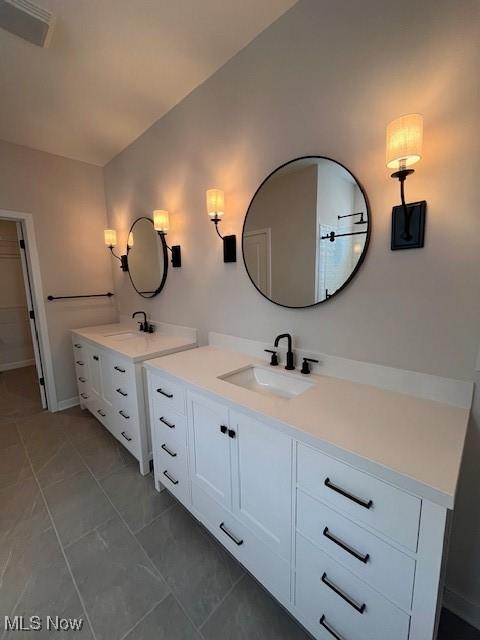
(165, 260)
(365, 248)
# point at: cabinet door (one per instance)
(262, 476)
(209, 448)
(95, 376)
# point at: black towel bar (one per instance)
(91, 295)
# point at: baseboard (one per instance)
(8, 366)
(67, 404)
(461, 607)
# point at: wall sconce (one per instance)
(215, 209)
(110, 236)
(404, 148)
(161, 224)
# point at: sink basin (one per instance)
(268, 382)
(122, 335)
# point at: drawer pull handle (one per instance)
(172, 480)
(169, 424)
(164, 393)
(223, 428)
(124, 415)
(358, 607)
(170, 453)
(77, 346)
(126, 437)
(236, 540)
(363, 558)
(231, 433)
(325, 625)
(95, 358)
(82, 379)
(79, 362)
(122, 393)
(102, 413)
(84, 396)
(367, 504)
(119, 369)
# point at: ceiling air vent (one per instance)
(27, 20)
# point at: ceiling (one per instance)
(115, 66)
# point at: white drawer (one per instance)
(167, 394)
(126, 406)
(102, 412)
(325, 591)
(385, 568)
(172, 473)
(267, 567)
(122, 372)
(363, 497)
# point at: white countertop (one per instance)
(414, 443)
(137, 348)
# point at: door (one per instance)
(262, 473)
(95, 375)
(32, 317)
(209, 448)
(256, 246)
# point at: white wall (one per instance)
(67, 201)
(326, 79)
(16, 347)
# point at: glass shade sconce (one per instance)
(404, 149)
(161, 224)
(215, 210)
(110, 237)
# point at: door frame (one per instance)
(38, 300)
(267, 232)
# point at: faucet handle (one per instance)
(274, 358)
(305, 365)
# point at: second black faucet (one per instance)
(290, 364)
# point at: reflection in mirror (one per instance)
(147, 258)
(306, 232)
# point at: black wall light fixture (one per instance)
(161, 224)
(110, 236)
(404, 148)
(215, 209)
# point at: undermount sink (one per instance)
(268, 382)
(122, 335)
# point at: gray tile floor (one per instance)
(83, 535)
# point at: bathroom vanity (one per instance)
(335, 495)
(108, 369)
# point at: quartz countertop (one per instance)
(414, 443)
(138, 347)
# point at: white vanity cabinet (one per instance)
(111, 383)
(349, 554)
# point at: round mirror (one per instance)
(147, 258)
(306, 232)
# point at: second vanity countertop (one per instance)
(414, 443)
(140, 346)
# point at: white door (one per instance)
(209, 448)
(32, 317)
(257, 251)
(262, 472)
(95, 376)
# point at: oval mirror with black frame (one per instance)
(147, 258)
(306, 232)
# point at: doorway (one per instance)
(26, 373)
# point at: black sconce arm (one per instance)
(123, 259)
(229, 243)
(175, 250)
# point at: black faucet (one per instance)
(144, 326)
(289, 366)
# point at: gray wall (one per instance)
(326, 79)
(67, 201)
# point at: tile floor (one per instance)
(83, 535)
